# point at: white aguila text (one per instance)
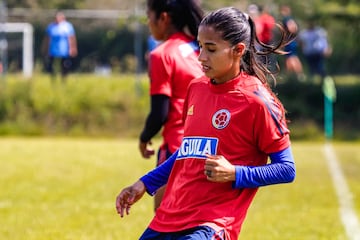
(197, 147)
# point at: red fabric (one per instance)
(172, 66)
(265, 24)
(252, 129)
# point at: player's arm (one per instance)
(159, 176)
(280, 170)
(73, 51)
(158, 114)
(292, 26)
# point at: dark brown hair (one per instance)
(183, 13)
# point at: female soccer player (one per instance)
(172, 65)
(233, 123)
(292, 61)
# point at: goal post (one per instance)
(27, 44)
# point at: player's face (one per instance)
(220, 61)
(59, 17)
(156, 25)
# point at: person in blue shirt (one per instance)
(59, 43)
(315, 48)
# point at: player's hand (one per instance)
(146, 150)
(218, 169)
(128, 196)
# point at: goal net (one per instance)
(27, 44)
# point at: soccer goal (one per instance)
(27, 44)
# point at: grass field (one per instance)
(62, 188)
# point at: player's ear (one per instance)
(239, 49)
(164, 17)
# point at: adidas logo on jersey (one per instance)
(190, 111)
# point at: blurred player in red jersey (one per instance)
(264, 23)
(172, 65)
(233, 124)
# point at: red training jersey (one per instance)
(241, 121)
(172, 66)
(265, 24)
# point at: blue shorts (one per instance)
(197, 233)
(291, 49)
(163, 154)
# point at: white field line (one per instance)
(347, 212)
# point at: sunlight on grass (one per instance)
(66, 189)
(305, 209)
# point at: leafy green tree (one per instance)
(55, 4)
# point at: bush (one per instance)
(85, 105)
(117, 105)
(305, 103)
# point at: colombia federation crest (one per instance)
(221, 119)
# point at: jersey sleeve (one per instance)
(160, 71)
(270, 128)
(71, 29)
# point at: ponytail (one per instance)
(259, 52)
(237, 27)
(193, 16)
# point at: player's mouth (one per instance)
(205, 68)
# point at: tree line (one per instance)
(111, 41)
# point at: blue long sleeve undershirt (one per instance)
(159, 176)
(280, 170)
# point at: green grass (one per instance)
(350, 160)
(65, 188)
(304, 210)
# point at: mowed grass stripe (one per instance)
(65, 188)
(347, 212)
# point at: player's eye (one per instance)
(210, 49)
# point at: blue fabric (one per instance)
(280, 170)
(314, 41)
(291, 48)
(163, 154)
(59, 38)
(152, 43)
(197, 233)
(316, 63)
(159, 176)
